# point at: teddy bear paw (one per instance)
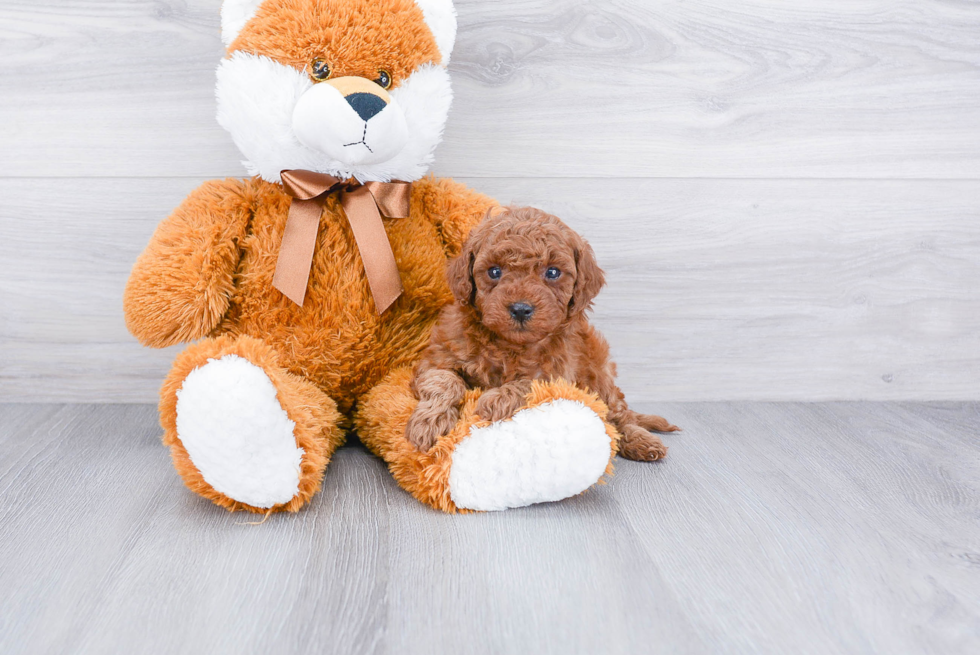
(237, 434)
(544, 453)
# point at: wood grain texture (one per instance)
(717, 289)
(627, 118)
(771, 528)
(703, 88)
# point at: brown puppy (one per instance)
(522, 284)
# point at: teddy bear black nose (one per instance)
(367, 105)
(521, 311)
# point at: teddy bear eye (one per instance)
(319, 69)
(384, 79)
(494, 272)
(552, 273)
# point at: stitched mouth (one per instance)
(362, 142)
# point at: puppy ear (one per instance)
(589, 278)
(460, 276)
(460, 271)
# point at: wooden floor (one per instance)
(771, 528)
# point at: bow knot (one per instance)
(363, 205)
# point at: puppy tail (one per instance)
(655, 423)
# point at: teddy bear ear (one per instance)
(440, 16)
(234, 15)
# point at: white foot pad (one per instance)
(545, 453)
(237, 434)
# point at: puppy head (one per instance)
(351, 88)
(525, 274)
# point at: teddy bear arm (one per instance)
(454, 208)
(182, 283)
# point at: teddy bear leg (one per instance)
(555, 447)
(242, 431)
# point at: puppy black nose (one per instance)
(521, 311)
(367, 105)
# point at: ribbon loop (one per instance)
(394, 199)
(306, 185)
(363, 205)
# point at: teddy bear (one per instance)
(308, 290)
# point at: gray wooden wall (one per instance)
(785, 195)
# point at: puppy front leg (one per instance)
(439, 392)
(503, 401)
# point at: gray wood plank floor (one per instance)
(771, 528)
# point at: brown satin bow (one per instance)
(363, 204)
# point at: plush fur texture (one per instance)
(234, 15)
(544, 453)
(269, 101)
(522, 284)
(440, 15)
(356, 37)
(265, 367)
(537, 474)
(237, 433)
(208, 272)
(314, 415)
(258, 100)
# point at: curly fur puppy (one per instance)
(522, 284)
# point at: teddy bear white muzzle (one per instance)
(352, 120)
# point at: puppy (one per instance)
(523, 283)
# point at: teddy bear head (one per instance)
(350, 88)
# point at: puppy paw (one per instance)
(641, 446)
(502, 402)
(439, 386)
(655, 423)
(429, 422)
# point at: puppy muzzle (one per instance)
(521, 312)
(352, 120)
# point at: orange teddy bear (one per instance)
(310, 289)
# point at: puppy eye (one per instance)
(494, 272)
(319, 70)
(384, 79)
(552, 273)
